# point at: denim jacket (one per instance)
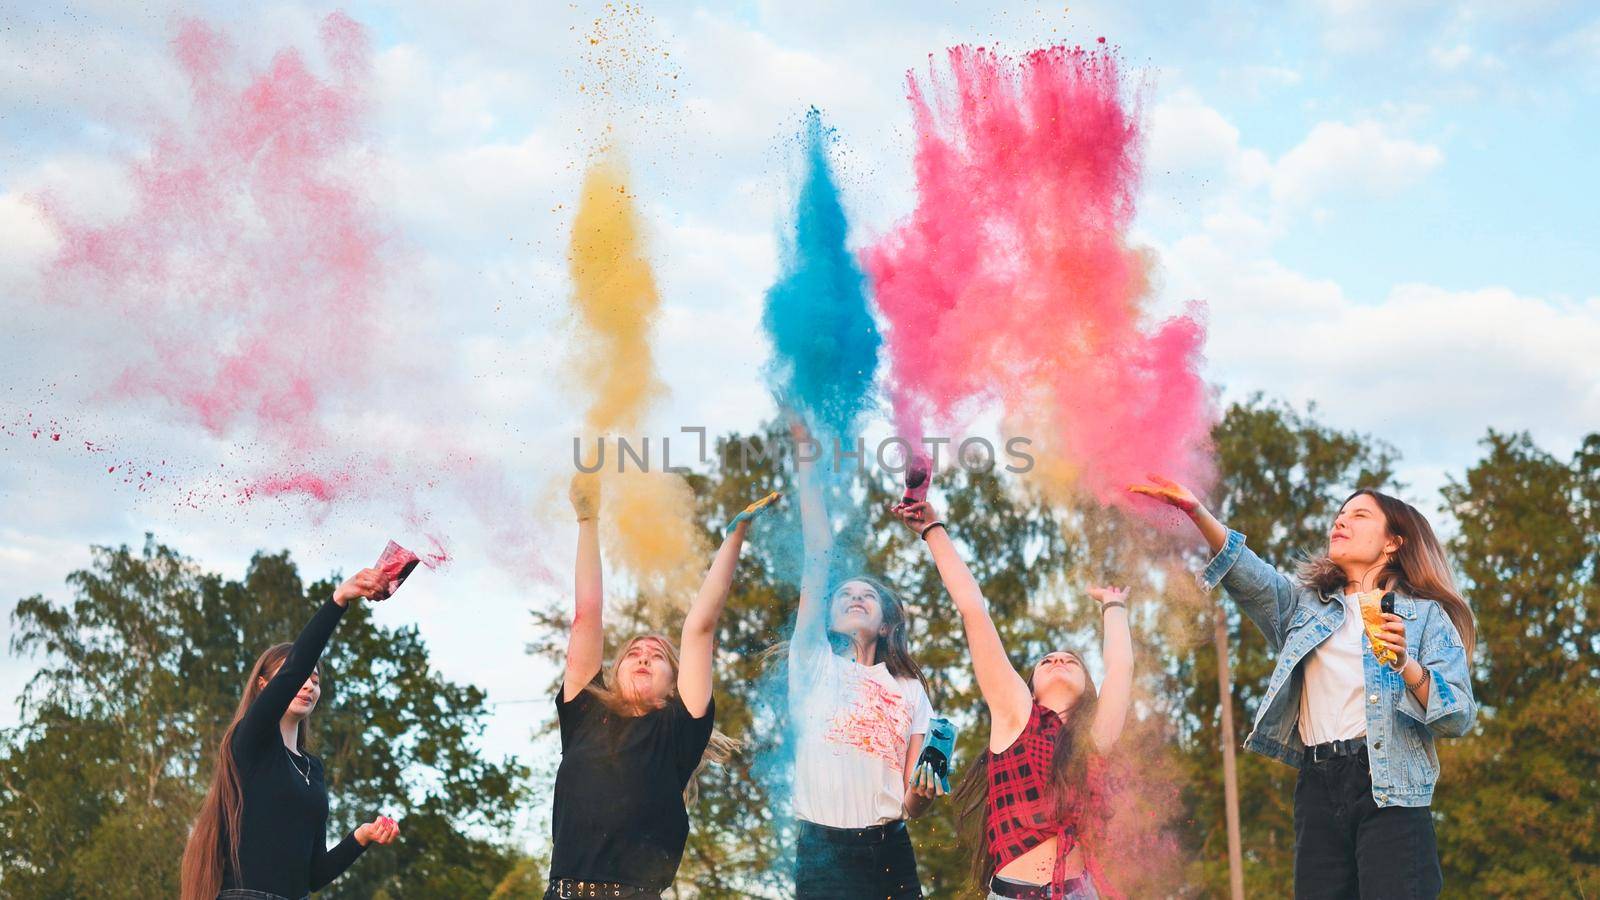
(1400, 731)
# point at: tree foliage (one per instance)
(141, 673)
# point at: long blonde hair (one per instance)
(214, 840)
(719, 749)
(1418, 569)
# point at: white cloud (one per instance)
(1201, 171)
(492, 189)
(1337, 157)
(1187, 135)
(29, 241)
(1463, 57)
(1424, 366)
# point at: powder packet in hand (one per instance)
(396, 564)
(939, 749)
(919, 475)
(1373, 606)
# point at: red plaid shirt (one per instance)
(1021, 812)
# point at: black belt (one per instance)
(1005, 887)
(1334, 749)
(874, 834)
(573, 889)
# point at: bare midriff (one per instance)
(1037, 865)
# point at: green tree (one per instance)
(140, 674)
(1281, 476)
(1519, 810)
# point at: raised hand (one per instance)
(381, 830)
(1104, 595)
(800, 437)
(1167, 491)
(584, 492)
(367, 583)
(915, 516)
(749, 513)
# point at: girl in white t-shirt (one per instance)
(861, 711)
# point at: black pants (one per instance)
(829, 865)
(1346, 846)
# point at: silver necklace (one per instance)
(306, 774)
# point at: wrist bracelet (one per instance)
(931, 526)
(1110, 603)
(1420, 681)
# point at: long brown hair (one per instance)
(893, 649)
(1418, 569)
(719, 749)
(214, 840)
(1068, 777)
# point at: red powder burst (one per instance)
(1014, 279)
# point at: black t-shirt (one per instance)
(618, 813)
(283, 822)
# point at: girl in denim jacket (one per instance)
(1360, 731)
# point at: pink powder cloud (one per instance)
(1013, 280)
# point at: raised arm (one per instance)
(699, 641)
(260, 721)
(1182, 499)
(1116, 691)
(585, 643)
(1263, 593)
(1004, 691)
(817, 534)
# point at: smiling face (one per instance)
(1059, 680)
(645, 672)
(1360, 538)
(856, 609)
(305, 700)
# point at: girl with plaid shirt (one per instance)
(1029, 791)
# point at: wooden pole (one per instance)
(1230, 772)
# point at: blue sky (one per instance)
(1387, 207)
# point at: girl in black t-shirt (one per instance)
(633, 740)
(261, 830)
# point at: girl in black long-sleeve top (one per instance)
(261, 831)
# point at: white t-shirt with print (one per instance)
(853, 725)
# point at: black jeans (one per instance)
(1346, 846)
(827, 868)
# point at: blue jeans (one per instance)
(1345, 845)
(828, 866)
(247, 894)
